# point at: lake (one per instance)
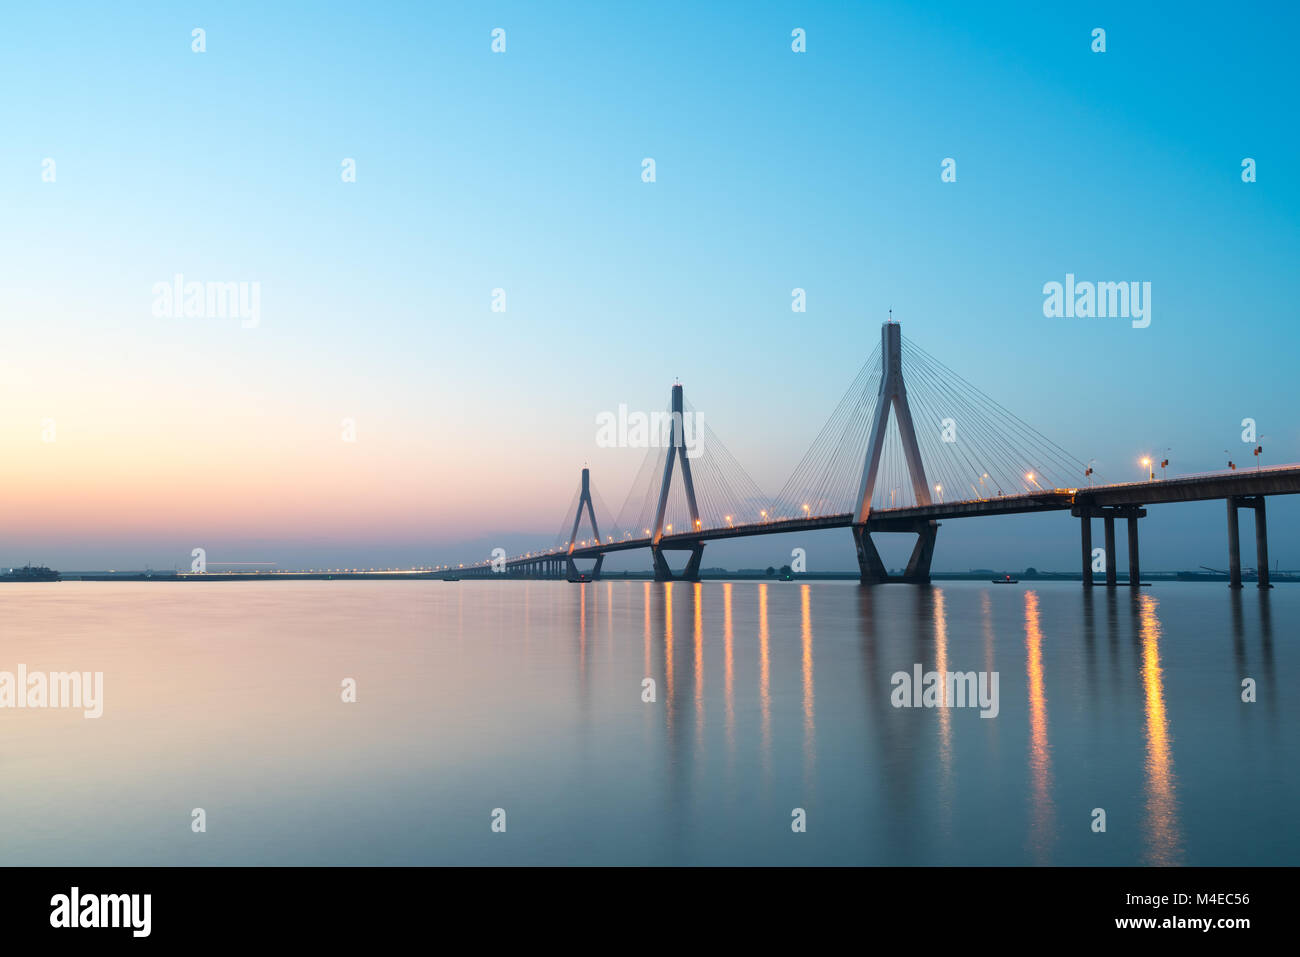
(523, 703)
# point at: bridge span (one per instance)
(888, 461)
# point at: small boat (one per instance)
(1007, 580)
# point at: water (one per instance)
(527, 697)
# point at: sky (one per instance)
(131, 438)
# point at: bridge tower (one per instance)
(584, 498)
(676, 452)
(893, 394)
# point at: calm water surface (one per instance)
(528, 697)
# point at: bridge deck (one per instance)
(1277, 480)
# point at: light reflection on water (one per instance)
(770, 696)
(1164, 845)
(1042, 825)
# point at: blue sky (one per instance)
(521, 171)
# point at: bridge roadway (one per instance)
(1243, 488)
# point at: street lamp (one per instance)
(1146, 465)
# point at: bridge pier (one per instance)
(1108, 514)
(1234, 546)
(872, 570)
(1134, 566)
(1109, 520)
(1261, 543)
(1234, 540)
(574, 574)
(664, 573)
(1085, 540)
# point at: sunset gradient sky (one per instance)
(522, 171)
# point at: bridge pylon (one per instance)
(584, 498)
(893, 394)
(676, 452)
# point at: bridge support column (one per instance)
(1109, 521)
(1234, 546)
(872, 570)
(575, 575)
(1261, 543)
(1134, 566)
(664, 573)
(1085, 539)
(918, 566)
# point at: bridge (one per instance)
(871, 472)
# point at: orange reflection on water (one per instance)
(668, 651)
(609, 613)
(729, 669)
(764, 678)
(941, 666)
(582, 631)
(986, 616)
(645, 601)
(1040, 757)
(1164, 843)
(809, 723)
(698, 597)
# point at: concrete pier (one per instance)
(664, 572)
(1134, 566)
(1261, 543)
(1234, 546)
(1110, 550)
(1085, 539)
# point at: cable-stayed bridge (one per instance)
(871, 469)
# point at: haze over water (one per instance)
(527, 696)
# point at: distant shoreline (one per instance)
(714, 574)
